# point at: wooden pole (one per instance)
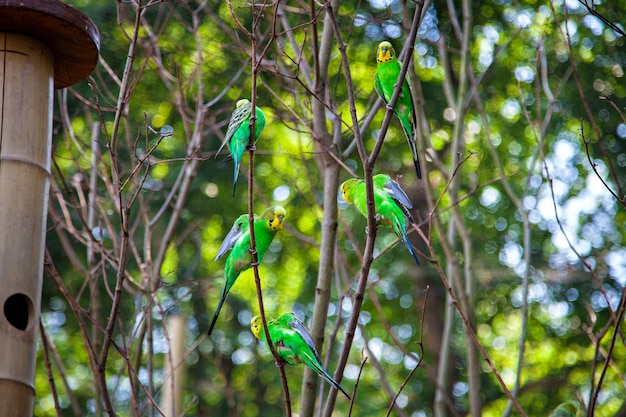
(43, 44)
(172, 397)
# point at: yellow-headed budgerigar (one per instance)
(293, 343)
(391, 202)
(238, 243)
(385, 79)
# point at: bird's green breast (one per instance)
(388, 73)
(263, 234)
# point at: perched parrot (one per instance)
(385, 79)
(238, 134)
(293, 343)
(391, 202)
(238, 239)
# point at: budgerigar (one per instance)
(293, 343)
(391, 202)
(385, 79)
(238, 134)
(238, 243)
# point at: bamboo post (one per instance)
(44, 44)
(172, 397)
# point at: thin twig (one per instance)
(421, 355)
(583, 97)
(472, 334)
(609, 353)
(356, 384)
(253, 252)
(368, 167)
(46, 359)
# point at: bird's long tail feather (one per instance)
(235, 175)
(217, 312)
(405, 238)
(410, 138)
(332, 382)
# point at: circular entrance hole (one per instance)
(18, 310)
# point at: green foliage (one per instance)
(539, 96)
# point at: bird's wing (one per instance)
(397, 193)
(241, 114)
(410, 96)
(299, 328)
(378, 87)
(239, 228)
(399, 197)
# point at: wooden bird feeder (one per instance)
(44, 44)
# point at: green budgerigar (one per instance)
(237, 241)
(391, 202)
(385, 79)
(238, 133)
(293, 343)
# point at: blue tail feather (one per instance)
(332, 382)
(235, 175)
(407, 243)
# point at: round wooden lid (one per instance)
(72, 36)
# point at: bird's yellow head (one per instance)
(242, 102)
(256, 325)
(346, 189)
(274, 216)
(385, 53)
